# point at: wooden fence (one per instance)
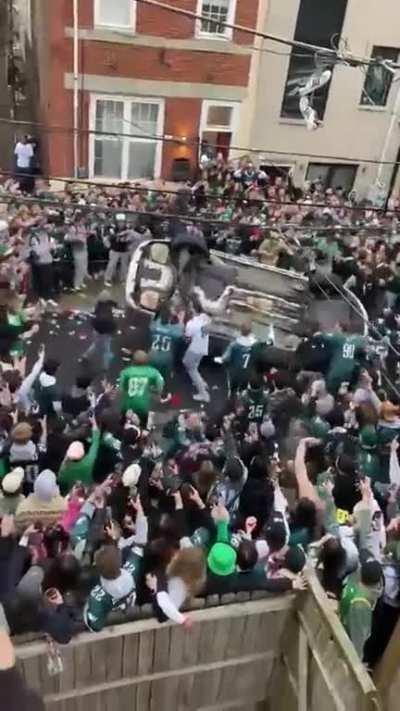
(387, 675)
(274, 653)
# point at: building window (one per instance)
(317, 23)
(215, 13)
(134, 153)
(219, 115)
(379, 79)
(115, 13)
(333, 175)
(218, 125)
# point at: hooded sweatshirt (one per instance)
(34, 509)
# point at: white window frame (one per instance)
(127, 128)
(131, 27)
(228, 31)
(235, 119)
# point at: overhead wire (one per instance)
(51, 128)
(266, 201)
(328, 51)
(365, 321)
(371, 327)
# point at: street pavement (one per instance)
(68, 333)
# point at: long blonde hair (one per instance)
(189, 564)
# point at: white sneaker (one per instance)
(201, 397)
(52, 303)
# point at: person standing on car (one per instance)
(197, 333)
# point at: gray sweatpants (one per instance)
(192, 361)
(80, 266)
(115, 258)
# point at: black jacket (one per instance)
(103, 319)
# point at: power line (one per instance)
(252, 48)
(329, 52)
(183, 217)
(371, 327)
(52, 128)
(243, 198)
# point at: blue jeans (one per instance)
(100, 350)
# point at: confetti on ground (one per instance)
(71, 333)
(83, 337)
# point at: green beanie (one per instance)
(319, 428)
(368, 437)
(222, 559)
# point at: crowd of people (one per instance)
(292, 468)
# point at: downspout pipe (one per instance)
(76, 87)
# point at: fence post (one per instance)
(302, 671)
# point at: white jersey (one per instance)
(197, 331)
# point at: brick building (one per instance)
(141, 72)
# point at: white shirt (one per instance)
(196, 330)
(24, 153)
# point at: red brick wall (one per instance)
(86, 13)
(163, 23)
(165, 64)
(56, 107)
(246, 15)
(182, 118)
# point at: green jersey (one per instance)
(355, 609)
(137, 383)
(100, 602)
(256, 404)
(345, 351)
(17, 321)
(164, 340)
(237, 356)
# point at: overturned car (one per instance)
(234, 289)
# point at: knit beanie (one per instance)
(45, 486)
(319, 428)
(368, 437)
(12, 481)
(222, 559)
(131, 475)
(75, 451)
